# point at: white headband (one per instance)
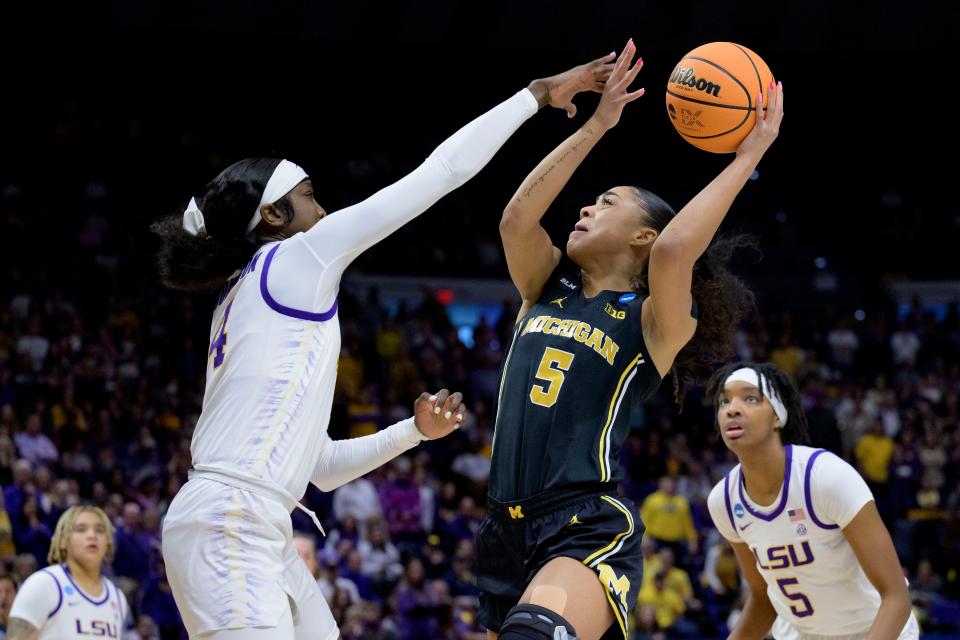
(750, 377)
(285, 177)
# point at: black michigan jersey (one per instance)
(573, 370)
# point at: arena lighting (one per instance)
(820, 262)
(444, 296)
(860, 315)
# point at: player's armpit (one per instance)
(20, 629)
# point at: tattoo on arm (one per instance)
(572, 149)
(20, 629)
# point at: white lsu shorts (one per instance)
(783, 630)
(231, 566)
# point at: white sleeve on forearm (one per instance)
(324, 252)
(344, 460)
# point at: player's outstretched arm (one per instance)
(340, 461)
(873, 547)
(758, 614)
(670, 272)
(531, 256)
(20, 629)
(338, 238)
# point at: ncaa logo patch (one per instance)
(68, 590)
(738, 510)
(627, 297)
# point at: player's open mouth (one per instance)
(733, 430)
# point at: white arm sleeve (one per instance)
(718, 513)
(37, 599)
(344, 460)
(321, 254)
(837, 491)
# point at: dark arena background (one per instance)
(113, 114)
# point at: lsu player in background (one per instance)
(816, 555)
(71, 598)
(259, 236)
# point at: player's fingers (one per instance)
(635, 70)
(626, 56)
(571, 110)
(602, 73)
(442, 396)
(598, 87)
(630, 97)
(452, 404)
(761, 116)
(779, 100)
(603, 60)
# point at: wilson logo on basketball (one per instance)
(684, 76)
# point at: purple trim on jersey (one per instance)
(289, 311)
(106, 589)
(726, 499)
(783, 496)
(806, 493)
(59, 593)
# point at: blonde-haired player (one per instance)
(813, 549)
(71, 598)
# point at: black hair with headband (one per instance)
(795, 431)
(206, 261)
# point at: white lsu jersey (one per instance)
(270, 374)
(814, 580)
(52, 602)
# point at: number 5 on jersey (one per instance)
(552, 366)
(219, 343)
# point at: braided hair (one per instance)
(795, 431)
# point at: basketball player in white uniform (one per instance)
(274, 342)
(70, 599)
(810, 542)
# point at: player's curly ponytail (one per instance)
(723, 300)
(206, 260)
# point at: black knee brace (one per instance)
(530, 622)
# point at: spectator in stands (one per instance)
(667, 517)
(8, 591)
(33, 444)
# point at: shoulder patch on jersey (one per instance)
(738, 510)
(627, 297)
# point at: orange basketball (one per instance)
(712, 93)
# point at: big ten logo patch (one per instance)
(613, 312)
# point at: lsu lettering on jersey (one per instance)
(814, 580)
(52, 602)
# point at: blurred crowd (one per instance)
(98, 398)
(102, 373)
